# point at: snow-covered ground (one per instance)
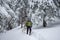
(15, 34)
(51, 32)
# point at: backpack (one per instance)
(28, 23)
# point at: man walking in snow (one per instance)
(29, 26)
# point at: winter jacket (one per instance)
(28, 24)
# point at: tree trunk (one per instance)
(9, 25)
(44, 23)
(23, 16)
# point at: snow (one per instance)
(15, 34)
(4, 12)
(51, 32)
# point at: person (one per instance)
(29, 26)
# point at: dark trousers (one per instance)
(29, 30)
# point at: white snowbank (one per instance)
(15, 34)
(52, 32)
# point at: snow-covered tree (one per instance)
(16, 12)
(44, 11)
